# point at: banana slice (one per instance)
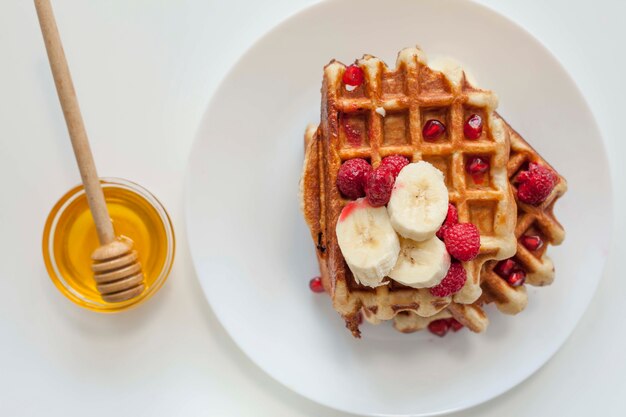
(367, 241)
(419, 201)
(421, 264)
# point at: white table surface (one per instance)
(144, 71)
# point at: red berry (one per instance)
(395, 163)
(477, 166)
(353, 75)
(462, 241)
(315, 284)
(531, 242)
(439, 327)
(452, 282)
(353, 134)
(379, 185)
(433, 130)
(352, 177)
(536, 184)
(505, 267)
(523, 176)
(473, 127)
(451, 218)
(516, 278)
(455, 325)
(510, 270)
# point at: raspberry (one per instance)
(536, 184)
(433, 130)
(353, 76)
(531, 243)
(439, 327)
(455, 325)
(441, 231)
(352, 177)
(473, 127)
(379, 185)
(452, 282)
(395, 163)
(462, 241)
(451, 218)
(315, 284)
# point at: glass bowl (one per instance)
(70, 237)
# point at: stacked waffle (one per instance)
(432, 119)
(536, 228)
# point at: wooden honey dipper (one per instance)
(116, 268)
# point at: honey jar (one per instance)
(70, 238)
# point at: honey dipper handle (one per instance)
(74, 121)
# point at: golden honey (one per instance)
(70, 238)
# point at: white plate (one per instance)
(253, 253)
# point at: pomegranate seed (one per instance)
(316, 285)
(433, 130)
(353, 134)
(353, 76)
(473, 127)
(439, 327)
(532, 242)
(516, 278)
(505, 267)
(477, 166)
(455, 325)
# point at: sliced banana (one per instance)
(421, 264)
(419, 201)
(367, 241)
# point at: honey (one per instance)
(70, 238)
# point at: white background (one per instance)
(144, 71)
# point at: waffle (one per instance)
(384, 116)
(531, 220)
